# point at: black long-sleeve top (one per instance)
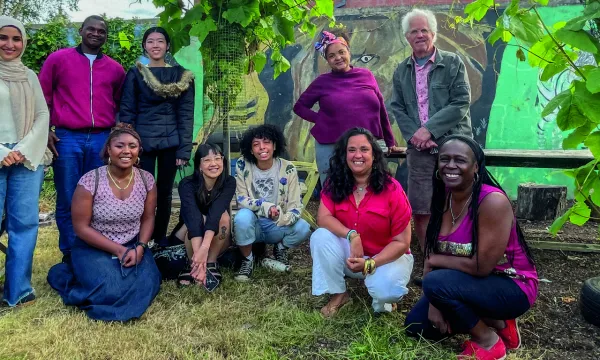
(192, 211)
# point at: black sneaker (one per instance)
(245, 270)
(280, 254)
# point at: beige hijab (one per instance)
(15, 75)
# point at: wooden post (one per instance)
(541, 202)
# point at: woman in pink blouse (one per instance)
(364, 221)
(112, 276)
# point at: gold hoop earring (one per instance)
(109, 161)
(138, 162)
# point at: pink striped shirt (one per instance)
(422, 89)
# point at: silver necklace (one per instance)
(463, 209)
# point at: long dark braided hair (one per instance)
(440, 202)
(340, 180)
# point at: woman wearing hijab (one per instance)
(23, 136)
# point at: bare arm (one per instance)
(495, 223)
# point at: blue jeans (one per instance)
(463, 300)
(78, 153)
(323, 153)
(250, 228)
(19, 197)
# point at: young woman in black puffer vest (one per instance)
(158, 100)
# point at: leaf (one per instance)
(309, 28)
(513, 8)
(559, 65)
(578, 39)
(260, 60)
(478, 8)
(593, 81)
(578, 136)
(280, 63)
(196, 13)
(242, 11)
(202, 28)
(520, 55)
(580, 213)
(496, 35)
(124, 41)
(556, 102)
(558, 223)
(542, 2)
(542, 52)
(527, 27)
(592, 142)
(570, 117)
(588, 103)
(285, 27)
(322, 8)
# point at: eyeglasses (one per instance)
(216, 159)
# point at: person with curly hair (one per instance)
(269, 197)
(364, 227)
(356, 88)
(479, 273)
(112, 275)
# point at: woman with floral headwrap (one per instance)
(23, 135)
(348, 97)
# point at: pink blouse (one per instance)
(118, 220)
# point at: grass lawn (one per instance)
(274, 316)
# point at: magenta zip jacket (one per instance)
(80, 96)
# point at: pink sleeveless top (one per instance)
(458, 243)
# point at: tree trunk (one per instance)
(541, 202)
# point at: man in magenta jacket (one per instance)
(82, 87)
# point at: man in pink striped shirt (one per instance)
(430, 100)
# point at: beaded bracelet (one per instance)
(350, 233)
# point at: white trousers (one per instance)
(329, 253)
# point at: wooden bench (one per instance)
(546, 159)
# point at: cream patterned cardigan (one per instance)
(289, 203)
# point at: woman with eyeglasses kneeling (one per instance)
(205, 223)
(364, 220)
(112, 276)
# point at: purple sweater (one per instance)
(346, 100)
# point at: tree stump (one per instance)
(541, 202)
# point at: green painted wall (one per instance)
(515, 114)
(191, 59)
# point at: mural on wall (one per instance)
(507, 95)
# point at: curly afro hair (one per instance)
(265, 132)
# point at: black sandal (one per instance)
(185, 278)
